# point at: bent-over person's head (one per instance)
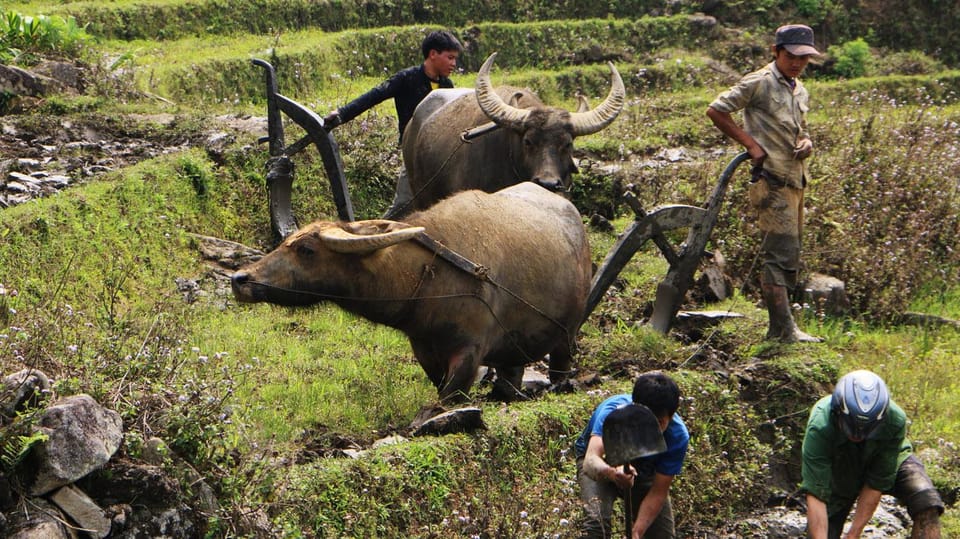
(658, 392)
(859, 404)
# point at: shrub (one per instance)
(853, 58)
(907, 63)
(24, 38)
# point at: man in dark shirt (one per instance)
(407, 88)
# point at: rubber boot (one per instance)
(926, 525)
(781, 326)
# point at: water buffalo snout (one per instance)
(551, 185)
(239, 279)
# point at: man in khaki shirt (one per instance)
(774, 104)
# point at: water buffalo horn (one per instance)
(364, 236)
(585, 123)
(496, 108)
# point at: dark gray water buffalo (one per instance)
(526, 300)
(534, 142)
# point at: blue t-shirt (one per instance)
(670, 462)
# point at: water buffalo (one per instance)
(534, 142)
(526, 299)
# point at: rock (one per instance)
(534, 381)
(79, 507)
(706, 318)
(600, 223)
(81, 437)
(67, 74)
(143, 501)
(42, 521)
(825, 294)
(927, 320)
(22, 390)
(713, 284)
(225, 253)
(21, 82)
(671, 155)
(889, 520)
(389, 440)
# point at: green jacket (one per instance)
(836, 469)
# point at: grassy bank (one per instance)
(264, 400)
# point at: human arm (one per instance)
(652, 504)
(373, 97)
(867, 504)
(817, 521)
(728, 126)
(816, 468)
(598, 469)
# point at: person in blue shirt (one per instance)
(648, 477)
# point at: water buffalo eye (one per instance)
(304, 250)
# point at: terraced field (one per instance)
(279, 410)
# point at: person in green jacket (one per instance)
(854, 451)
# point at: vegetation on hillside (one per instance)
(263, 400)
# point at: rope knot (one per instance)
(481, 272)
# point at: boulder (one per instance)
(82, 510)
(825, 294)
(81, 437)
(41, 521)
(16, 81)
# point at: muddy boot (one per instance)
(926, 525)
(781, 326)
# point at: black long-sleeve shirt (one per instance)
(407, 88)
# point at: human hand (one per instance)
(803, 149)
(757, 155)
(622, 476)
(332, 120)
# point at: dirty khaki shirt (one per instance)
(775, 115)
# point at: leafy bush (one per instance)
(24, 38)
(853, 58)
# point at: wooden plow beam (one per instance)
(683, 262)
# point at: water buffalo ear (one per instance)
(362, 237)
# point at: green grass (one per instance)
(243, 391)
(313, 365)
